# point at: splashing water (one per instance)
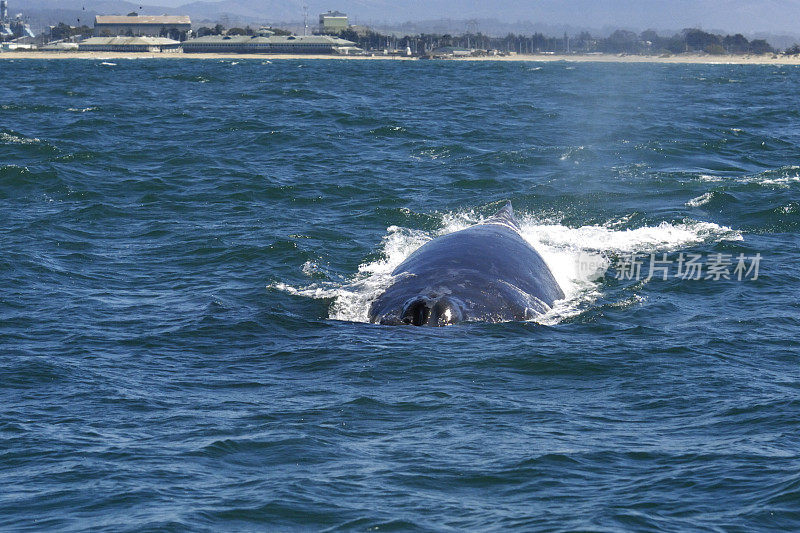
(577, 257)
(703, 199)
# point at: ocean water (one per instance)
(188, 250)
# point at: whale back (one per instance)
(505, 216)
(486, 272)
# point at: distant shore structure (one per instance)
(13, 28)
(264, 43)
(128, 44)
(333, 22)
(135, 25)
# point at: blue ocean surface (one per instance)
(189, 248)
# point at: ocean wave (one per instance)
(16, 138)
(783, 177)
(188, 77)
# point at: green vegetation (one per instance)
(240, 31)
(619, 42)
(63, 31)
(173, 33)
(689, 40)
(279, 31)
(219, 29)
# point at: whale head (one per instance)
(426, 311)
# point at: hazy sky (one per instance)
(726, 15)
(168, 3)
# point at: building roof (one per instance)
(129, 41)
(142, 19)
(275, 39)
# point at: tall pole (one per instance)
(305, 20)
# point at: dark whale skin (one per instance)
(487, 272)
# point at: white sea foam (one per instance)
(9, 138)
(310, 268)
(700, 200)
(782, 177)
(578, 258)
(572, 152)
(783, 181)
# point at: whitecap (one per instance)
(17, 139)
(700, 200)
(783, 181)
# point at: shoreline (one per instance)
(542, 58)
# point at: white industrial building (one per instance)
(127, 44)
(333, 22)
(137, 25)
(259, 44)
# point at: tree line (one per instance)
(619, 42)
(219, 29)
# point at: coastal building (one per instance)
(273, 44)
(135, 25)
(333, 22)
(8, 46)
(445, 52)
(128, 44)
(60, 46)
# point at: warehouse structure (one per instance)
(271, 44)
(136, 25)
(128, 44)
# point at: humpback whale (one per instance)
(487, 272)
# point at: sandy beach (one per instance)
(179, 55)
(767, 59)
(701, 59)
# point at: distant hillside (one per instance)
(247, 9)
(774, 16)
